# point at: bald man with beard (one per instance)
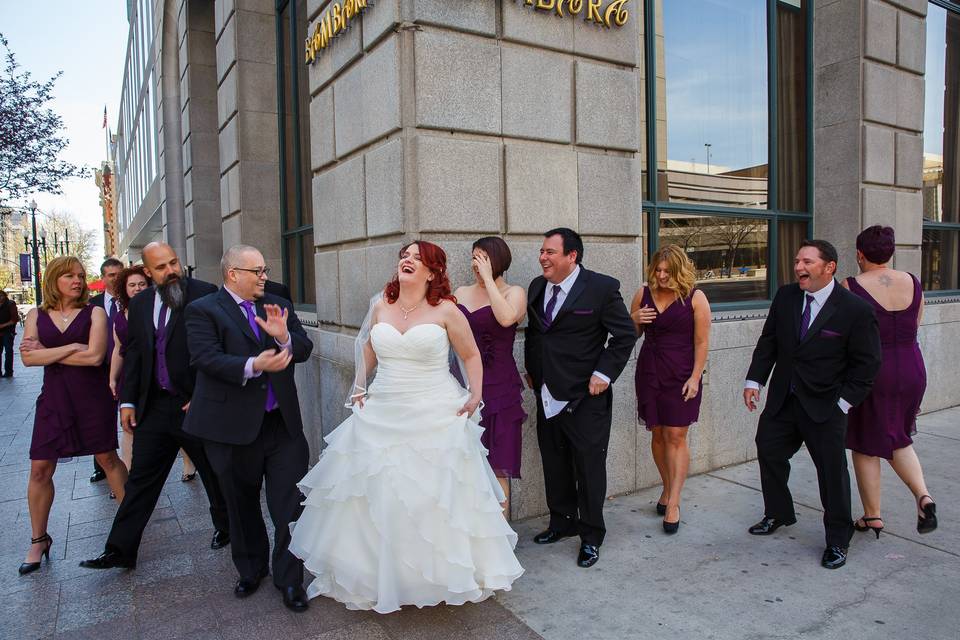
(157, 390)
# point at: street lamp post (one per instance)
(34, 246)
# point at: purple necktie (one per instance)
(805, 317)
(163, 376)
(252, 319)
(548, 314)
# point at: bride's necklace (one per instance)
(407, 312)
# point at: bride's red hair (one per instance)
(433, 258)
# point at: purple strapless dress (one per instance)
(665, 364)
(76, 416)
(887, 418)
(502, 415)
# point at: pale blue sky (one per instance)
(935, 80)
(716, 68)
(87, 40)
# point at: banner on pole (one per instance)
(26, 270)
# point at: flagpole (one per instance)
(106, 131)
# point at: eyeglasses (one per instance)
(260, 272)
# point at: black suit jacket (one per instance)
(565, 355)
(138, 362)
(838, 358)
(224, 409)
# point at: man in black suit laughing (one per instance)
(578, 340)
(823, 345)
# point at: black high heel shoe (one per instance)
(672, 527)
(661, 509)
(30, 567)
(866, 527)
(928, 521)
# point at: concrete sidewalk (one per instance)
(711, 580)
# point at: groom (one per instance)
(578, 341)
(243, 343)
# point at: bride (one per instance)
(402, 507)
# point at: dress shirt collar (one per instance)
(820, 297)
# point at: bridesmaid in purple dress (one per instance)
(130, 282)
(674, 319)
(494, 309)
(75, 414)
(882, 426)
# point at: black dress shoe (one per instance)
(108, 560)
(221, 539)
(97, 476)
(588, 556)
(661, 509)
(246, 587)
(768, 525)
(550, 536)
(834, 557)
(294, 598)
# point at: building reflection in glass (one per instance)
(730, 253)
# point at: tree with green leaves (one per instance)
(31, 135)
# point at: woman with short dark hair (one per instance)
(494, 309)
(882, 426)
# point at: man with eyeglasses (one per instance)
(158, 389)
(244, 343)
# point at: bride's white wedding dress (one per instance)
(402, 507)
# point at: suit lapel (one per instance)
(579, 286)
(535, 304)
(829, 308)
(232, 309)
(149, 329)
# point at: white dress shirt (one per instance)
(819, 299)
(552, 406)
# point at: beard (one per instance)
(173, 292)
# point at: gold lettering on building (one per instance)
(614, 14)
(334, 21)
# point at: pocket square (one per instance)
(582, 312)
(827, 333)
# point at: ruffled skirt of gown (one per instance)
(403, 508)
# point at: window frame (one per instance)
(931, 225)
(652, 208)
(294, 57)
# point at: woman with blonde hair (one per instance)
(674, 318)
(76, 414)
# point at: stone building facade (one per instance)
(448, 120)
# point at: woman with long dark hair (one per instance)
(402, 507)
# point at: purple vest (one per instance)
(160, 359)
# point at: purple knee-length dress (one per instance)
(502, 415)
(75, 415)
(887, 418)
(665, 364)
